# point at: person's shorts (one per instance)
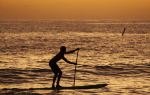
(55, 68)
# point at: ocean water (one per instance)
(123, 62)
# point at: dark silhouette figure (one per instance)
(54, 66)
(124, 29)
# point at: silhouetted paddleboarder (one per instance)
(124, 29)
(54, 66)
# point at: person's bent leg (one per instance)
(59, 76)
(54, 79)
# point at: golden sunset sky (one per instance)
(75, 9)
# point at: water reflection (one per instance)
(123, 63)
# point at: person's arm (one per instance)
(68, 52)
(68, 61)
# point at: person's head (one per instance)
(63, 48)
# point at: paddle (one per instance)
(75, 69)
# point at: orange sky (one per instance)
(75, 9)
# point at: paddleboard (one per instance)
(86, 87)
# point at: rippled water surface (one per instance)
(123, 62)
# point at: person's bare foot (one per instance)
(53, 87)
(58, 86)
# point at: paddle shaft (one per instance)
(75, 69)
